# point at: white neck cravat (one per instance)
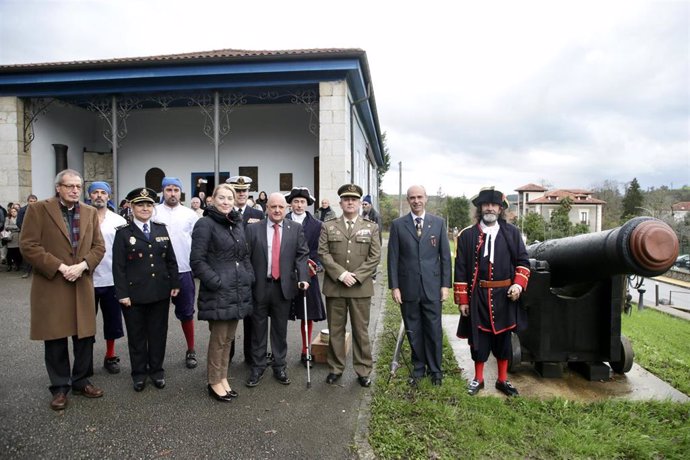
(489, 245)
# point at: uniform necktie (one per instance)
(147, 234)
(418, 226)
(275, 253)
(349, 227)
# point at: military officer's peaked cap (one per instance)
(142, 195)
(350, 190)
(239, 182)
(490, 195)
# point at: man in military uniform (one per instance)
(350, 251)
(242, 184)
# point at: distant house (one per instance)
(585, 209)
(680, 210)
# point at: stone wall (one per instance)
(15, 164)
(334, 139)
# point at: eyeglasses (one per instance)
(71, 186)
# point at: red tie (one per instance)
(275, 253)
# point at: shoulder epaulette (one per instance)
(121, 227)
(159, 223)
(331, 218)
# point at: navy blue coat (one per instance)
(144, 270)
(220, 259)
(316, 311)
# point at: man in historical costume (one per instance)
(350, 251)
(491, 271)
(419, 276)
(61, 240)
(299, 198)
(241, 185)
(278, 254)
(104, 286)
(180, 221)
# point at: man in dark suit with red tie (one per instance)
(419, 276)
(279, 255)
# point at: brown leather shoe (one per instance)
(59, 401)
(89, 391)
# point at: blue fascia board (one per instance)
(177, 71)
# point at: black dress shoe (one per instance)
(436, 381)
(282, 377)
(332, 378)
(254, 378)
(474, 387)
(159, 383)
(190, 359)
(364, 381)
(232, 394)
(306, 361)
(112, 364)
(216, 396)
(139, 386)
(506, 388)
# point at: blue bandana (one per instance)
(172, 181)
(100, 186)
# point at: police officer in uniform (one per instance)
(145, 275)
(350, 251)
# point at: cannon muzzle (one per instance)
(642, 246)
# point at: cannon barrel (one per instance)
(643, 246)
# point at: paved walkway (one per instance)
(180, 421)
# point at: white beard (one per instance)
(489, 219)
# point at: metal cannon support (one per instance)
(576, 296)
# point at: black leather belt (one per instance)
(271, 280)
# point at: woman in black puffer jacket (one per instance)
(220, 259)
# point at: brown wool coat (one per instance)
(59, 308)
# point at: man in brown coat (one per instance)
(63, 242)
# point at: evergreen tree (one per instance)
(458, 212)
(632, 201)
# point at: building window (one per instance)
(584, 217)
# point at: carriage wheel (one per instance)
(624, 364)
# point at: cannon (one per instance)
(576, 295)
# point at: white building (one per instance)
(585, 208)
(284, 118)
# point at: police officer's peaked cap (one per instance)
(350, 190)
(142, 195)
(239, 182)
(490, 195)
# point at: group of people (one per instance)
(491, 272)
(11, 220)
(250, 267)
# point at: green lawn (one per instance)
(444, 422)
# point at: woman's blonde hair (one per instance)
(224, 187)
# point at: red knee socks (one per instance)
(502, 365)
(188, 329)
(110, 348)
(305, 341)
(479, 371)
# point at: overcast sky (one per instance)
(470, 93)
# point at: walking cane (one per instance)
(398, 348)
(308, 339)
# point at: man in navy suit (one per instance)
(419, 276)
(279, 254)
(242, 184)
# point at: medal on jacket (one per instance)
(132, 240)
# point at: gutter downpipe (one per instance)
(216, 137)
(352, 133)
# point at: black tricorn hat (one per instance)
(300, 192)
(142, 195)
(489, 195)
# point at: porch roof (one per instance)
(244, 70)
